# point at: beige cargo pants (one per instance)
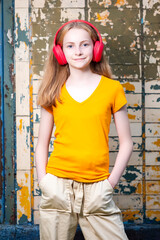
(65, 203)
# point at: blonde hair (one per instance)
(55, 74)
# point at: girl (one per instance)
(78, 95)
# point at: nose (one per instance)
(78, 50)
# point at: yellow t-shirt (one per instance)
(81, 150)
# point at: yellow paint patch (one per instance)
(128, 86)
(20, 126)
(153, 187)
(157, 143)
(23, 196)
(131, 215)
(155, 133)
(106, 3)
(135, 105)
(153, 215)
(130, 116)
(133, 44)
(103, 15)
(139, 188)
(120, 3)
(156, 168)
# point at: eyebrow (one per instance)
(80, 42)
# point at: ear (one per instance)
(59, 54)
(97, 51)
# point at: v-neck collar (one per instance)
(88, 98)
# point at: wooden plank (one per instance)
(132, 216)
(136, 158)
(152, 130)
(153, 202)
(124, 187)
(152, 86)
(152, 143)
(125, 202)
(136, 129)
(152, 115)
(9, 111)
(152, 187)
(152, 173)
(152, 158)
(153, 216)
(23, 143)
(152, 100)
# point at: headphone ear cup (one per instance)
(97, 51)
(57, 50)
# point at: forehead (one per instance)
(76, 34)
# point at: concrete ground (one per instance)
(31, 232)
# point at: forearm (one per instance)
(121, 162)
(41, 158)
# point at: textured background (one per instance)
(130, 33)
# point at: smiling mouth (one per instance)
(79, 59)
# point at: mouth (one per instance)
(78, 59)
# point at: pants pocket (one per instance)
(55, 194)
(98, 199)
(42, 182)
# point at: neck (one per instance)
(80, 76)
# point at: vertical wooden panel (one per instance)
(9, 112)
(23, 130)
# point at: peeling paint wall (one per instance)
(130, 33)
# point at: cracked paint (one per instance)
(131, 45)
(23, 195)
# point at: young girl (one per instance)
(78, 95)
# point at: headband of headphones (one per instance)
(97, 51)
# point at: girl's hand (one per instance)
(39, 180)
(112, 183)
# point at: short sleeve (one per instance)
(49, 109)
(120, 98)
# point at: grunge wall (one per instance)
(130, 34)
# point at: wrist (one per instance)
(112, 182)
(40, 177)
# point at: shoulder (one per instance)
(111, 83)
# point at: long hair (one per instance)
(55, 74)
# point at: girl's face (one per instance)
(78, 48)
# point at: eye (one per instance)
(69, 46)
(85, 44)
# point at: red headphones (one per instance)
(97, 50)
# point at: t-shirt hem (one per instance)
(77, 179)
(120, 106)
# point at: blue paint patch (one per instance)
(23, 219)
(21, 98)
(131, 173)
(155, 87)
(28, 129)
(27, 144)
(22, 34)
(17, 187)
(37, 118)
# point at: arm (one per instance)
(125, 148)
(41, 152)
